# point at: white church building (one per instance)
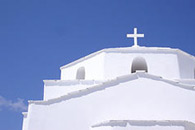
(131, 88)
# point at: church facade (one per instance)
(138, 88)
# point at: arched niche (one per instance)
(139, 63)
(80, 73)
(194, 73)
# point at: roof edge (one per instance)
(70, 82)
(128, 49)
(124, 123)
(110, 83)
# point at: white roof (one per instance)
(131, 50)
(110, 83)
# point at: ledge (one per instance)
(111, 83)
(24, 114)
(124, 123)
(71, 82)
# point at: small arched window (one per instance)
(139, 63)
(80, 73)
(194, 73)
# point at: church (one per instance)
(130, 88)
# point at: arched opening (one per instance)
(139, 63)
(194, 73)
(80, 73)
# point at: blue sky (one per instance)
(39, 36)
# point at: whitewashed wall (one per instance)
(109, 65)
(164, 65)
(141, 99)
(94, 69)
(186, 67)
(57, 88)
(25, 121)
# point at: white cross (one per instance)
(135, 36)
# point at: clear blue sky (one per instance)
(39, 36)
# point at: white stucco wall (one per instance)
(94, 69)
(25, 121)
(162, 64)
(186, 66)
(111, 63)
(140, 99)
(57, 88)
